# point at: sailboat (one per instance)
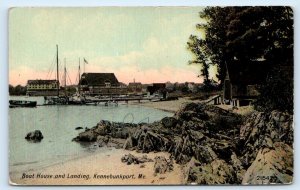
(56, 100)
(78, 98)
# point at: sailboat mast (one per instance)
(57, 75)
(79, 77)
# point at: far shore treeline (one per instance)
(18, 90)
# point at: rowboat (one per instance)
(21, 103)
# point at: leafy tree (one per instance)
(241, 33)
(277, 93)
(245, 34)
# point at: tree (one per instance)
(18, 90)
(246, 34)
(211, 49)
(241, 33)
(11, 89)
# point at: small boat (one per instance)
(76, 99)
(21, 103)
(56, 100)
(111, 103)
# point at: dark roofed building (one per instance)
(245, 74)
(101, 84)
(99, 79)
(242, 80)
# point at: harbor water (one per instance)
(58, 123)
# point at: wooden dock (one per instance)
(115, 100)
(124, 99)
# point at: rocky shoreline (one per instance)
(213, 145)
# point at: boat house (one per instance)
(41, 87)
(242, 81)
(101, 84)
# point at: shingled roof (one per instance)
(99, 79)
(254, 72)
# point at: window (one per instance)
(107, 83)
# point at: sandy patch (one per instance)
(101, 169)
(169, 106)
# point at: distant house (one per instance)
(101, 84)
(135, 87)
(41, 87)
(157, 88)
(242, 81)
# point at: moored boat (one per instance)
(22, 103)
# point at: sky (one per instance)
(145, 44)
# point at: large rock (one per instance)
(34, 136)
(271, 166)
(146, 140)
(131, 159)
(106, 128)
(128, 145)
(237, 167)
(216, 172)
(169, 122)
(162, 165)
(262, 130)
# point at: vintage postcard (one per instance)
(151, 95)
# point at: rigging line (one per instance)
(49, 69)
(76, 79)
(69, 78)
(51, 72)
(52, 67)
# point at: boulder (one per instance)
(262, 130)
(128, 145)
(216, 172)
(102, 140)
(106, 128)
(86, 136)
(131, 159)
(146, 140)
(271, 166)
(162, 165)
(35, 136)
(237, 166)
(169, 122)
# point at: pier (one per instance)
(115, 100)
(125, 99)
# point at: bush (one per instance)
(277, 92)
